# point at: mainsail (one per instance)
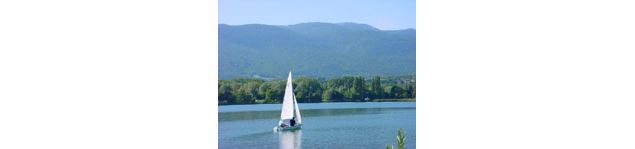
(288, 103)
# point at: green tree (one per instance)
(225, 94)
(247, 90)
(377, 91)
(358, 89)
(308, 90)
(331, 95)
(411, 91)
(393, 91)
(272, 91)
(352, 88)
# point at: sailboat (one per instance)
(290, 118)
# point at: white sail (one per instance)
(298, 117)
(288, 101)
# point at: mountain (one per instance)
(314, 49)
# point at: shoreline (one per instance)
(373, 100)
(395, 100)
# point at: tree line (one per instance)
(313, 90)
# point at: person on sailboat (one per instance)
(282, 124)
(292, 121)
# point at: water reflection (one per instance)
(290, 139)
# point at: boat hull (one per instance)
(278, 128)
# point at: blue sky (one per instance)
(382, 14)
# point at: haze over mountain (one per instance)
(314, 49)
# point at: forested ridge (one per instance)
(314, 49)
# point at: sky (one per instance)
(382, 14)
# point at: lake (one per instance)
(326, 125)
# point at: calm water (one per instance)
(326, 125)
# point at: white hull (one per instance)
(278, 128)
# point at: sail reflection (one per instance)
(290, 139)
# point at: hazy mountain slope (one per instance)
(314, 49)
